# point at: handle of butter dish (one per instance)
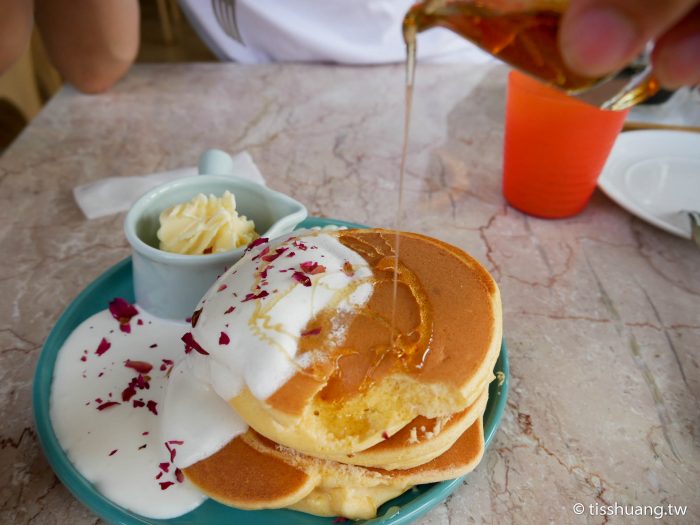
(215, 162)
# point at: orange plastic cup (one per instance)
(555, 148)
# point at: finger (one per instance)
(677, 54)
(598, 37)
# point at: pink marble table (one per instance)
(601, 311)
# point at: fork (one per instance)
(225, 13)
(694, 217)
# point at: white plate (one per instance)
(655, 175)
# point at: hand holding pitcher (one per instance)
(595, 50)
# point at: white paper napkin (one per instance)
(116, 194)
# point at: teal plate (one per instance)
(117, 282)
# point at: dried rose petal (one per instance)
(83, 358)
(301, 278)
(140, 366)
(312, 267)
(138, 403)
(308, 266)
(195, 317)
(172, 452)
(224, 339)
(159, 475)
(313, 331)
(166, 484)
(222, 288)
(385, 435)
(208, 250)
(165, 467)
(272, 256)
(229, 310)
(262, 253)
(179, 476)
(122, 311)
(107, 405)
(128, 393)
(139, 322)
(348, 269)
(256, 242)
(175, 442)
(191, 344)
(141, 382)
(151, 405)
(300, 245)
(340, 519)
(103, 346)
(251, 296)
(291, 254)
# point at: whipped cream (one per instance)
(250, 323)
(116, 444)
(205, 224)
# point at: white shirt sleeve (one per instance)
(336, 31)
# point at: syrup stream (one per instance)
(410, 36)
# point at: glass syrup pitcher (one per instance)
(523, 33)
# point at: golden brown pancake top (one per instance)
(444, 322)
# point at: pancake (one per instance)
(437, 361)
(252, 472)
(241, 476)
(422, 440)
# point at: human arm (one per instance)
(92, 43)
(15, 30)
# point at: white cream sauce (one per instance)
(118, 447)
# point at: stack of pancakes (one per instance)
(398, 403)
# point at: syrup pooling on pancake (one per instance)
(405, 327)
(365, 353)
